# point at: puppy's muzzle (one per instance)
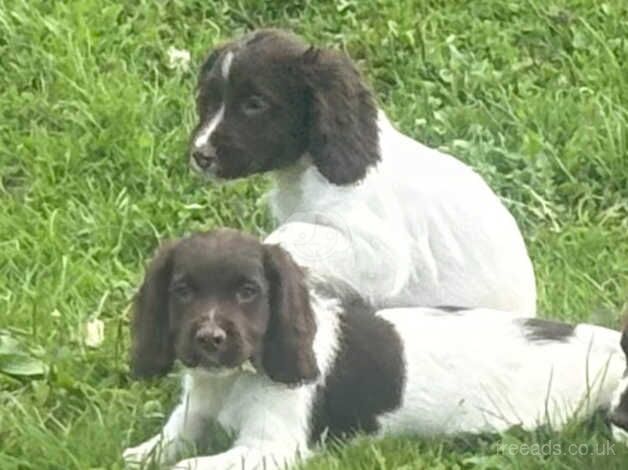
(205, 158)
(211, 338)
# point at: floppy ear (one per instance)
(153, 351)
(288, 355)
(343, 140)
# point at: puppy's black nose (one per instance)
(211, 337)
(204, 159)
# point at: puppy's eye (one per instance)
(182, 291)
(247, 292)
(254, 104)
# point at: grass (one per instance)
(93, 127)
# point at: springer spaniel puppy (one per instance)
(284, 360)
(356, 200)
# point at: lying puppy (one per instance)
(356, 200)
(282, 360)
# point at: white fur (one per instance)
(476, 372)
(421, 228)
(225, 66)
(473, 372)
(206, 132)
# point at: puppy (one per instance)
(282, 359)
(355, 199)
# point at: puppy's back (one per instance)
(482, 370)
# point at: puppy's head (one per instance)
(219, 299)
(267, 99)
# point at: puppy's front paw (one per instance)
(143, 453)
(188, 464)
(213, 463)
(232, 461)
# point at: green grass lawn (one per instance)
(93, 131)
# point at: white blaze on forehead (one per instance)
(203, 135)
(226, 64)
(202, 138)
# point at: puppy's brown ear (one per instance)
(152, 352)
(288, 354)
(343, 134)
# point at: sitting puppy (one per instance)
(283, 360)
(356, 200)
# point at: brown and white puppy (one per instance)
(355, 199)
(211, 300)
(266, 100)
(282, 360)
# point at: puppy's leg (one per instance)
(182, 427)
(243, 458)
(271, 434)
(377, 266)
